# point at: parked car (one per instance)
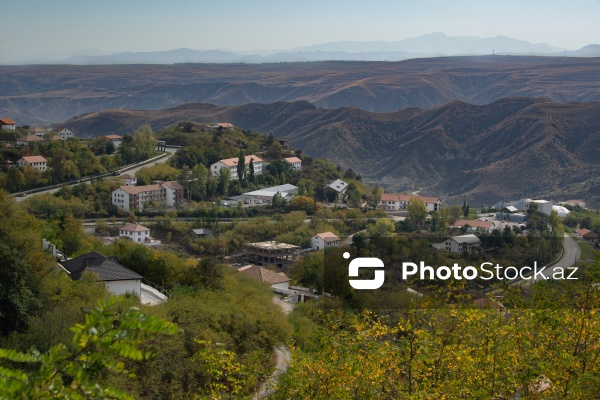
(22, 194)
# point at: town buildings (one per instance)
(167, 194)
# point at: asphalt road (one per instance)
(131, 170)
(571, 254)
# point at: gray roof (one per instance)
(202, 231)
(106, 268)
(470, 238)
(274, 189)
(338, 185)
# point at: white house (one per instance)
(117, 278)
(395, 202)
(37, 162)
(458, 244)
(64, 132)
(337, 188)
(135, 232)
(115, 139)
(7, 124)
(295, 162)
(130, 197)
(324, 240)
(475, 225)
(231, 164)
(277, 280)
(130, 180)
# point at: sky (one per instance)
(32, 28)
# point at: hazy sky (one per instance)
(53, 27)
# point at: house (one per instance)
(295, 162)
(458, 244)
(201, 232)
(7, 124)
(135, 232)
(64, 133)
(130, 180)
(232, 163)
(277, 253)
(225, 125)
(335, 189)
(475, 225)
(36, 162)
(277, 280)
(324, 240)
(167, 194)
(586, 234)
(35, 131)
(115, 139)
(396, 202)
(29, 140)
(117, 278)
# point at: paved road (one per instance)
(571, 254)
(131, 170)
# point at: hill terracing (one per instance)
(38, 95)
(510, 148)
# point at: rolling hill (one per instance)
(46, 94)
(510, 148)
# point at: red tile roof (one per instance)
(114, 137)
(473, 223)
(34, 159)
(134, 228)
(292, 159)
(7, 121)
(328, 236)
(264, 274)
(231, 162)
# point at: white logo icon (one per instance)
(365, 262)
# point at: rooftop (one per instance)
(34, 159)
(106, 268)
(264, 274)
(292, 159)
(230, 162)
(338, 185)
(272, 245)
(466, 239)
(7, 121)
(134, 228)
(473, 223)
(407, 197)
(328, 236)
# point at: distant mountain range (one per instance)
(511, 148)
(45, 94)
(431, 45)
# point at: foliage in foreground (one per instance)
(109, 335)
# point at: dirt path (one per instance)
(282, 357)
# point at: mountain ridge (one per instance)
(512, 148)
(54, 93)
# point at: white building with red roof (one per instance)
(37, 162)
(135, 232)
(7, 124)
(232, 164)
(396, 202)
(324, 240)
(295, 162)
(166, 194)
(64, 133)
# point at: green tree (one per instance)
(15, 180)
(109, 335)
(144, 141)
(71, 235)
(417, 212)
(224, 178)
(17, 298)
(199, 181)
(375, 197)
(241, 167)
(465, 208)
(383, 227)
